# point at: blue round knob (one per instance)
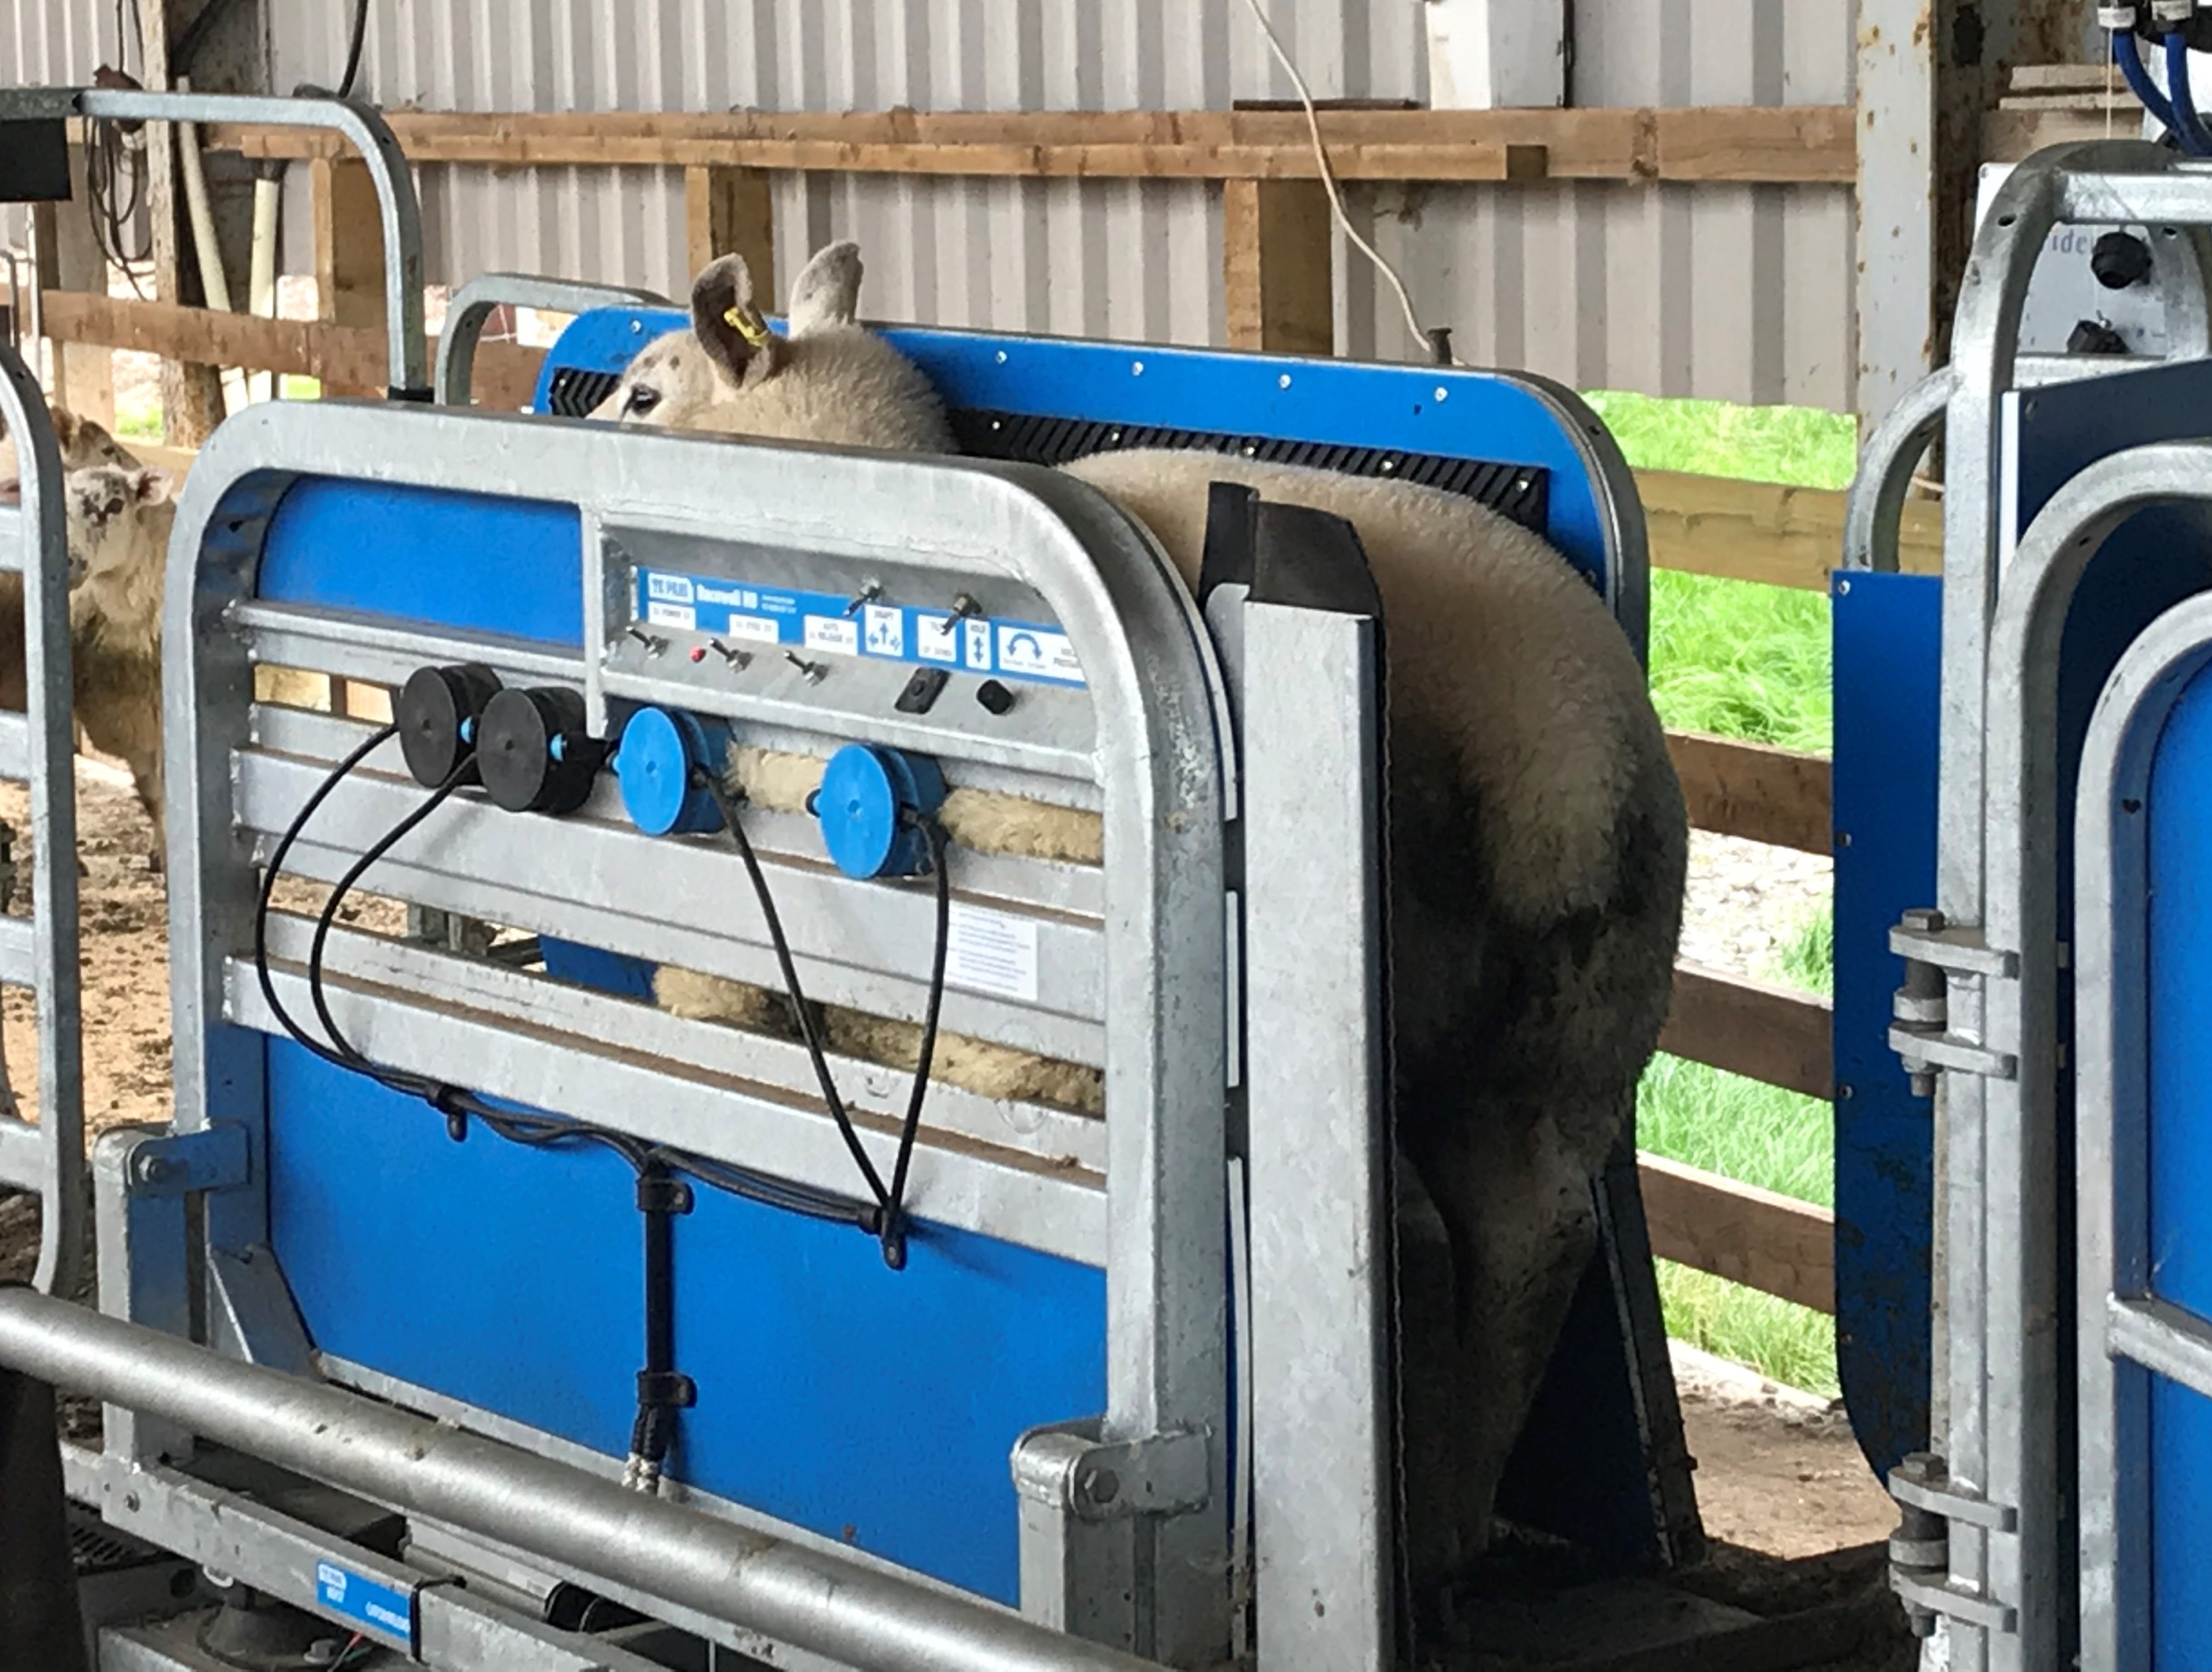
(653, 766)
(867, 792)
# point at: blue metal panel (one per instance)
(1887, 640)
(2179, 1222)
(1332, 403)
(474, 563)
(510, 1278)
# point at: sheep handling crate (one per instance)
(371, 1322)
(2049, 979)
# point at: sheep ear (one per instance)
(727, 323)
(152, 484)
(827, 293)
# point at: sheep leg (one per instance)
(1515, 1198)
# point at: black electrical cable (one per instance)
(353, 52)
(728, 809)
(460, 1107)
(890, 1225)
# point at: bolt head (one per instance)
(1098, 1486)
(157, 1169)
(1922, 920)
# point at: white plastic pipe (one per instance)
(213, 281)
(261, 278)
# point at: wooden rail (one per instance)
(1796, 145)
(1766, 1242)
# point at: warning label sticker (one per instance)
(990, 951)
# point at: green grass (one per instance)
(1757, 1134)
(1750, 662)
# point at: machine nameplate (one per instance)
(824, 621)
(361, 1601)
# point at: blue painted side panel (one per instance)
(2151, 563)
(1888, 639)
(2180, 1130)
(1339, 403)
(511, 1278)
(472, 561)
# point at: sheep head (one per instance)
(106, 506)
(827, 379)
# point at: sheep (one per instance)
(119, 522)
(83, 444)
(1538, 838)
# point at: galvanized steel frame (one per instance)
(474, 303)
(40, 747)
(1160, 752)
(2121, 1331)
(1994, 881)
(359, 123)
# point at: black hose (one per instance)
(353, 52)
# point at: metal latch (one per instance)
(1935, 954)
(1920, 1549)
(1070, 1467)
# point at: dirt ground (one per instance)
(1795, 1516)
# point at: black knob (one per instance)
(437, 714)
(534, 752)
(2095, 337)
(995, 697)
(2120, 260)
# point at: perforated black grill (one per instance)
(97, 1548)
(576, 392)
(1519, 492)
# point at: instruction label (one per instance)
(993, 952)
(362, 1601)
(826, 623)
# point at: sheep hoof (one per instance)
(154, 861)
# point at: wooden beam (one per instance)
(191, 390)
(1766, 1242)
(340, 356)
(1277, 247)
(348, 259)
(1762, 531)
(1761, 793)
(71, 259)
(730, 211)
(1798, 144)
(1760, 1030)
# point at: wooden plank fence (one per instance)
(1276, 259)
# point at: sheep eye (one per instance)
(642, 399)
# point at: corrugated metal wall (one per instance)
(1740, 292)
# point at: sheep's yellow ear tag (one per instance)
(748, 324)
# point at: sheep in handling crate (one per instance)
(1537, 834)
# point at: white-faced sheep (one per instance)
(83, 444)
(1538, 834)
(119, 521)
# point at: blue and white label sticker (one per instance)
(364, 1602)
(825, 623)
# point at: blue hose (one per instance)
(2188, 127)
(2128, 54)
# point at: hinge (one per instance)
(1920, 1550)
(1935, 954)
(178, 1164)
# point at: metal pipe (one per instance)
(401, 216)
(474, 303)
(817, 1602)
